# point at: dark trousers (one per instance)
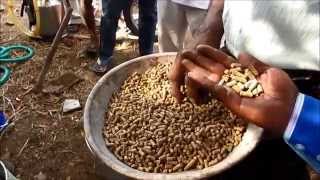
(109, 23)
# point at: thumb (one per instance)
(247, 108)
(228, 97)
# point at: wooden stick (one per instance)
(80, 36)
(23, 147)
(48, 61)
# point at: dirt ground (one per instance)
(44, 140)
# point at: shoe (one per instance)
(100, 68)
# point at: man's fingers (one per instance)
(238, 105)
(204, 62)
(229, 98)
(246, 108)
(175, 91)
(215, 55)
(212, 66)
(192, 89)
(176, 77)
(176, 71)
(203, 81)
(200, 73)
(188, 54)
(247, 60)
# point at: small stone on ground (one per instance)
(71, 105)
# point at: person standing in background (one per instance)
(175, 17)
(111, 11)
(87, 14)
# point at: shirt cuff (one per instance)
(294, 117)
(303, 130)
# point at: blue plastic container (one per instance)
(3, 121)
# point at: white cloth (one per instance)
(173, 22)
(281, 33)
(201, 4)
(76, 15)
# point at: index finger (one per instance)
(216, 55)
(200, 75)
(176, 77)
(204, 62)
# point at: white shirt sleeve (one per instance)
(280, 33)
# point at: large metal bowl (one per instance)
(94, 119)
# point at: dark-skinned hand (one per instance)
(271, 110)
(177, 71)
(210, 32)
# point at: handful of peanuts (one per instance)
(242, 80)
(147, 130)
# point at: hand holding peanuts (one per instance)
(271, 110)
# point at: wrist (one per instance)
(209, 35)
(211, 31)
(282, 114)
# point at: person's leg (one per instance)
(147, 25)
(172, 26)
(109, 22)
(87, 14)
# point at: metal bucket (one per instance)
(50, 18)
(94, 119)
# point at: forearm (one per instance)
(303, 131)
(211, 31)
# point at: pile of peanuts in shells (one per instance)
(147, 130)
(242, 80)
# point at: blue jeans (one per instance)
(109, 23)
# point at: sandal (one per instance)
(100, 68)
